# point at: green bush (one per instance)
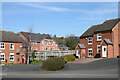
(92, 56)
(68, 58)
(53, 64)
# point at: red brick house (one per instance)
(100, 41)
(39, 42)
(11, 48)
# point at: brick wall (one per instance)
(21, 35)
(105, 35)
(7, 52)
(116, 39)
(39, 45)
(55, 46)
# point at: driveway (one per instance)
(103, 68)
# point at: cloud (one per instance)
(105, 10)
(45, 7)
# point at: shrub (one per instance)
(53, 64)
(68, 58)
(5, 61)
(92, 56)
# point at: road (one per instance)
(104, 68)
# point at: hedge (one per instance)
(68, 58)
(53, 64)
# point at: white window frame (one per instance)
(35, 48)
(89, 40)
(98, 49)
(88, 52)
(99, 37)
(13, 46)
(2, 57)
(13, 56)
(2, 45)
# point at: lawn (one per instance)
(36, 62)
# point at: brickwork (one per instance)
(7, 51)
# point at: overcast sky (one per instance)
(57, 18)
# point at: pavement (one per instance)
(101, 68)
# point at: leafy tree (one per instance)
(70, 41)
(33, 54)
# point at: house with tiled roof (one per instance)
(39, 42)
(11, 48)
(63, 47)
(100, 41)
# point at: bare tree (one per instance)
(30, 29)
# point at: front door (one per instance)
(78, 53)
(104, 51)
(23, 61)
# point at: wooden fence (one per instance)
(43, 55)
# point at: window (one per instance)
(50, 42)
(98, 49)
(35, 48)
(89, 52)
(90, 40)
(11, 46)
(45, 42)
(99, 37)
(51, 48)
(35, 42)
(2, 45)
(42, 48)
(2, 56)
(11, 56)
(46, 48)
(42, 42)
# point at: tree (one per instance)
(70, 41)
(30, 29)
(33, 54)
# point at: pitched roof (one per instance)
(63, 46)
(82, 46)
(24, 42)
(7, 36)
(108, 41)
(36, 36)
(108, 25)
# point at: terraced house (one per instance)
(39, 42)
(11, 48)
(100, 41)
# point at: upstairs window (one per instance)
(50, 43)
(2, 45)
(11, 46)
(35, 42)
(45, 42)
(89, 40)
(99, 37)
